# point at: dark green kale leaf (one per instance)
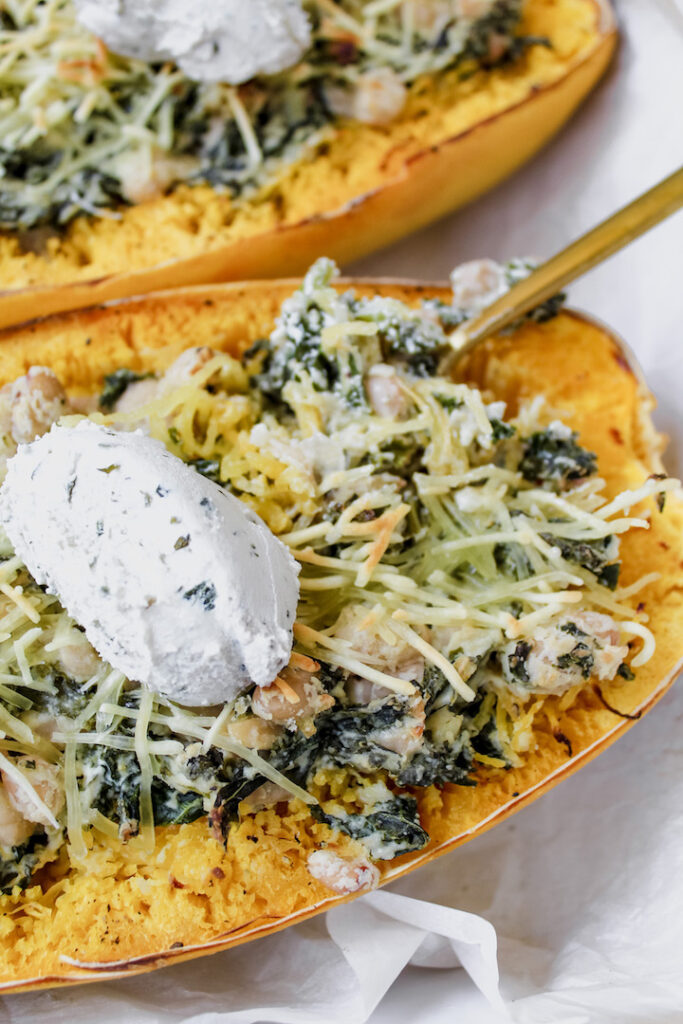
(301, 350)
(86, 191)
(66, 696)
(172, 807)
(447, 315)
(116, 383)
(418, 344)
(512, 560)
(391, 828)
(241, 782)
(517, 661)
(294, 756)
(518, 270)
(580, 656)
(118, 793)
(17, 870)
(401, 456)
(349, 736)
(210, 468)
(501, 430)
(551, 458)
(592, 555)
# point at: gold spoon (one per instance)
(579, 256)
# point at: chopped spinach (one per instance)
(242, 780)
(391, 828)
(65, 696)
(432, 686)
(448, 316)
(419, 344)
(449, 402)
(117, 794)
(172, 807)
(439, 763)
(609, 576)
(116, 383)
(517, 661)
(210, 468)
(353, 735)
(502, 18)
(511, 559)
(402, 456)
(581, 657)
(551, 457)
(593, 555)
(572, 629)
(294, 756)
(486, 741)
(502, 431)
(25, 859)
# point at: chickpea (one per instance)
(378, 97)
(137, 394)
(14, 828)
(185, 366)
(79, 661)
(342, 875)
(301, 697)
(254, 733)
(385, 394)
(37, 400)
(44, 778)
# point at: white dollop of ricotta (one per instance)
(177, 583)
(222, 41)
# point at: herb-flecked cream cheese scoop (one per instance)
(177, 583)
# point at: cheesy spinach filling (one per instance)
(86, 132)
(458, 568)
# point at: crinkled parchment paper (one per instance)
(577, 901)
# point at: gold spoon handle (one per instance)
(583, 254)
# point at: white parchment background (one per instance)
(578, 900)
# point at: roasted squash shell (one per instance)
(132, 912)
